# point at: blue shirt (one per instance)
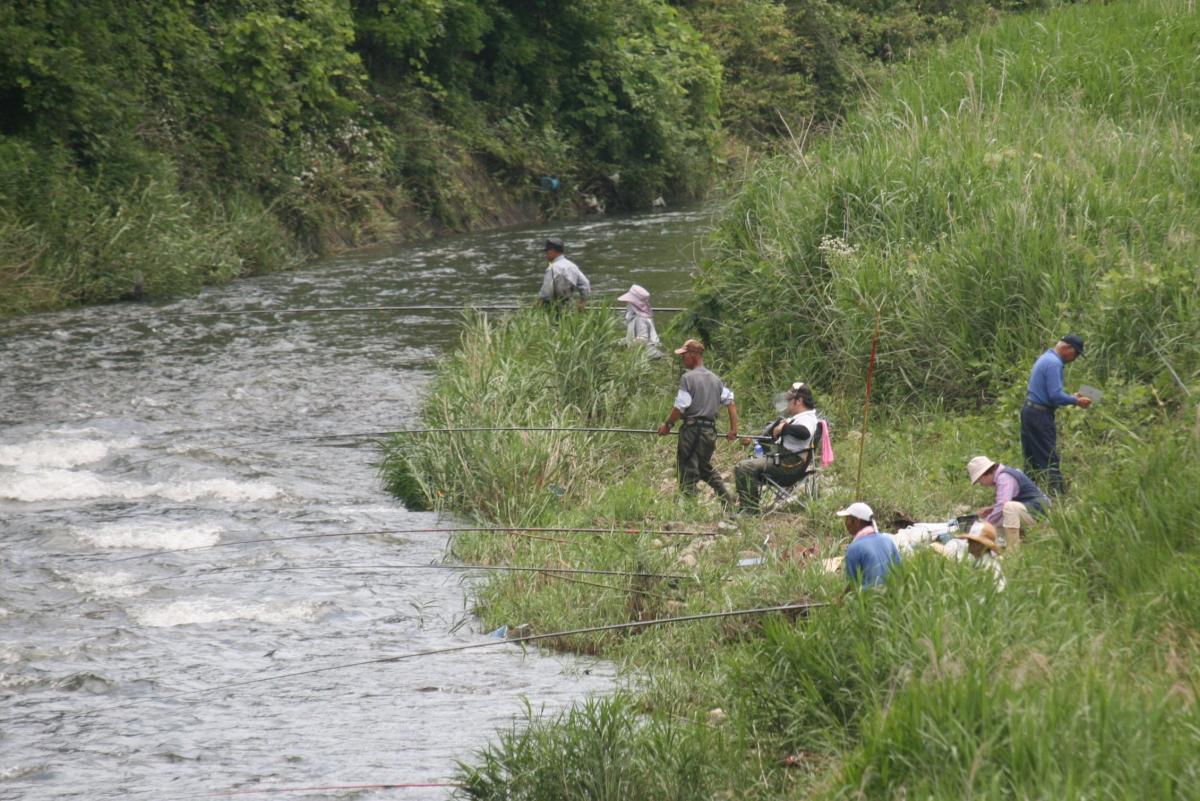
(1046, 382)
(869, 558)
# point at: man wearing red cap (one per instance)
(701, 394)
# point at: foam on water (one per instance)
(61, 452)
(109, 585)
(152, 535)
(78, 485)
(215, 610)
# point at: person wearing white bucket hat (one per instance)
(871, 554)
(1017, 497)
(639, 319)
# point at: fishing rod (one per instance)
(638, 624)
(345, 309)
(570, 571)
(474, 430)
(451, 530)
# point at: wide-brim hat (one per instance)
(984, 534)
(691, 346)
(977, 468)
(636, 294)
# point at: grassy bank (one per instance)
(1037, 179)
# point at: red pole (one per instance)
(862, 440)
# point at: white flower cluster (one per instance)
(835, 246)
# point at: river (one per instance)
(130, 429)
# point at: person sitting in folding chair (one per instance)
(793, 442)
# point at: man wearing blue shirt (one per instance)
(1039, 436)
(871, 554)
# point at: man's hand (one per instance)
(663, 430)
(1082, 401)
(731, 436)
(983, 511)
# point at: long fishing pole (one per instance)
(467, 430)
(762, 610)
(451, 530)
(344, 309)
(238, 571)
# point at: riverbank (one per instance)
(1078, 679)
(144, 155)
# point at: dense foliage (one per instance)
(1027, 182)
(150, 149)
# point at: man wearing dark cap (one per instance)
(1039, 435)
(701, 394)
(563, 278)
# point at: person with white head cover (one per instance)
(639, 319)
(871, 554)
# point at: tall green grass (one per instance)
(1034, 179)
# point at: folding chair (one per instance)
(809, 483)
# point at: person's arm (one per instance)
(666, 427)
(583, 285)
(727, 401)
(547, 290)
(1006, 490)
(853, 568)
(792, 429)
(1054, 385)
(683, 399)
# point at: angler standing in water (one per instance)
(563, 277)
(701, 394)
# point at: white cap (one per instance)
(859, 510)
(977, 467)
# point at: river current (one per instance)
(132, 429)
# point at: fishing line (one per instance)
(452, 530)
(470, 646)
(342, 309)
(326, 788)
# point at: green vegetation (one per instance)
(150, 151)
(1079, 680)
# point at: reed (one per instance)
(1030, 180)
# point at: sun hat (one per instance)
(984, 534)
(977, 467)
(554, 243)
(1075, 341)
(636, 294)
(859, 510)
(691, 346)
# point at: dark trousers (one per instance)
(693, 456)
(1039, 441)
(749, 473)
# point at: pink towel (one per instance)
(826, 447)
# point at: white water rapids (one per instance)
(126, 430)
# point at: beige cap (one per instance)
(977, 467)
(691, 346)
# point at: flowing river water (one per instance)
(130, 429)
